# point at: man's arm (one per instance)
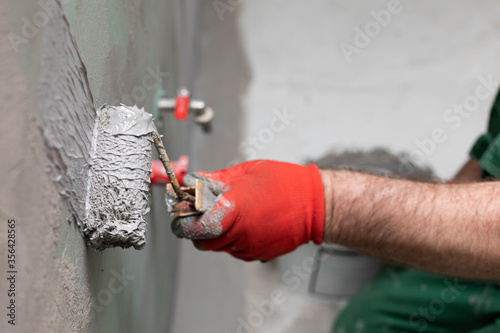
(451, 229)
(266, 208)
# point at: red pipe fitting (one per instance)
(160, 177)
(181, 108)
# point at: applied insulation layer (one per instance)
(100, 161)
(68, 112)
(118, 190)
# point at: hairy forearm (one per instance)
(450, 229)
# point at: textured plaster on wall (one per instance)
(68, 113)
(52, 295)
(74, 303)
(127, 48)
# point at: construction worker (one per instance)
(268, 208)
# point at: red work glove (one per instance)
(264, 209)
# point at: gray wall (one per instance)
(130, 52)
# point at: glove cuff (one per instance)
(317, 199)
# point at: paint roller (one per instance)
(119, 179)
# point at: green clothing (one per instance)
(402, 300)
(487, 148)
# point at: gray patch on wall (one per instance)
(68, 112)
(68, 120)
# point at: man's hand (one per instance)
(264, 209)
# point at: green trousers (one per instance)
(401, 300)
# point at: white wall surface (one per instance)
(394, 92)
